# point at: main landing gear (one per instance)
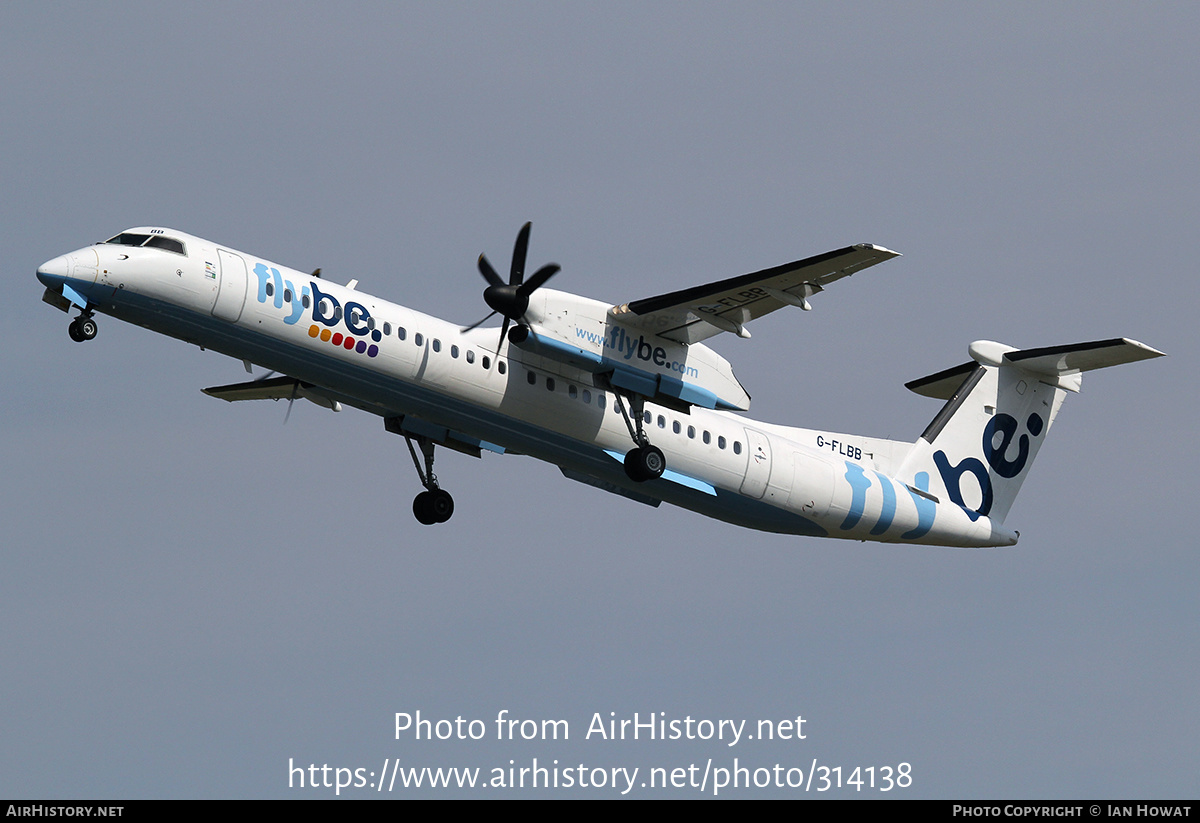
(82, 327)
(643, 462)
(434, 505)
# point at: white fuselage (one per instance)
(460, 388)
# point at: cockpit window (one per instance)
(152, 241)
(127, 239)
(169, 243)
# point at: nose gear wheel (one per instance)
(82, 328)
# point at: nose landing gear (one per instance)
(82, 328)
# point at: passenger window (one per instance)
(387, 329)
(500, 366)
(707, 437)
(647, 417)
(470, 356)
(454, 352)
(691, 432)
(662, 422)
(437, 344)
(287, 295)
(270, 289)
(419, 339)
(486, 362)
(675, 427)
(720, 442)
(531, 377)
(587, 396)
(737, 446)
(305, 301)
(550, 383)
(572, 392)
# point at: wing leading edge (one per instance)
(695, 314)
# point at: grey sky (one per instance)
(193, 593)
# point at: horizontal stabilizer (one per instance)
(1053, 362)
(1081, 357)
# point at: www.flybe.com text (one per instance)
(627, 347)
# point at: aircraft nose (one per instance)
(55, 270)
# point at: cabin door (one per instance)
(231, 295)
(758, 464)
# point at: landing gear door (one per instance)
(231, 295)
(758, 464)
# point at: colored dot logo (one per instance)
(345, 341)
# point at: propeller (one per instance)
(511, 299)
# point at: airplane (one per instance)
(624, 397)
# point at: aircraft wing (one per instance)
(694, 314)
(277, 388)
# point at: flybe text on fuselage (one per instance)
(326, 310)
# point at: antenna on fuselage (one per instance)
(317, 273)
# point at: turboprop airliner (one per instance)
(625, 397)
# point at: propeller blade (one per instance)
(539, 278)
(291, 400)
(489, 274)
(478, 323)
(503, 333)
(517, 274)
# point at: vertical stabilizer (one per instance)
(978, 449)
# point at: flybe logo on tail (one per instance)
(1004, 425)
(327, 311)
